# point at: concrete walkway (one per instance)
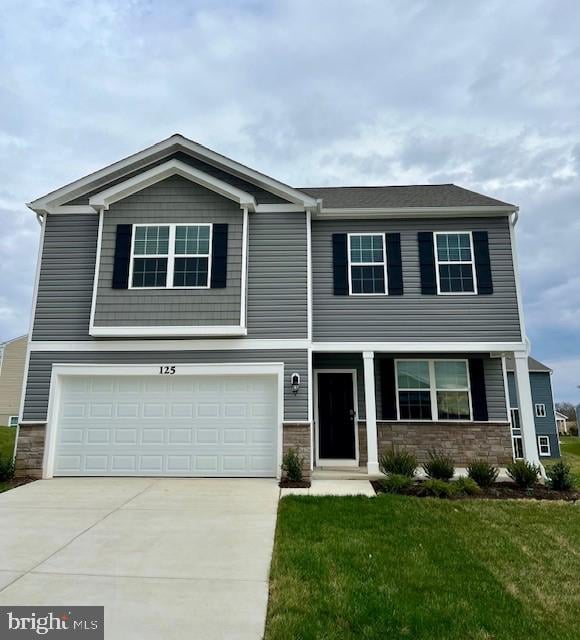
(168, 558)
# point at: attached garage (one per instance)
(165, 420)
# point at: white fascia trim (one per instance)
(70, 209)
(281, 208)
(172, 144)
(512, 226)
(168, 331)
(232, 344)
(415, 212)
(419, 347)
(172, 167)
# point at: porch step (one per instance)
(340, 473)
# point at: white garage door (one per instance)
(167, 426)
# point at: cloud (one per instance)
(315, 93)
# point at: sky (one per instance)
(485, 94)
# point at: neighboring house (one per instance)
(12, 362)
(194, 317)
(562, 423)
(544, 410)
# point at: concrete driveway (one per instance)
(168, 558)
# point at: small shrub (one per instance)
(559, 477)
(482, 472)
(573, 430)
(292, 465)
(438, 488)
(396, 483)
(466, 486)
(400, 463)
(439, 466)
(6, 469)
(523, 473)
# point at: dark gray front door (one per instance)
(336, 416)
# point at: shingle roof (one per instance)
(417, 195)
(533, 365)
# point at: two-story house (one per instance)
(194, 317)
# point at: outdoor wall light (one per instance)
(295, 382)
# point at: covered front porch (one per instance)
(369, 401)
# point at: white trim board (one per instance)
(419, 347)
(169, 331)
(162, 149)
(60, 371)
(234, 344)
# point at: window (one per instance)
(13, 421)
(171, 256)
(454, 263)
(433, 390)
(517, 441)
(367, 268)
(544, 445)
(540, 410)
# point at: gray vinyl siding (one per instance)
(541, 386)
(415, 317)
(262, 196)
(174, 200)
(277, 276)
(65, 286)
(494, 386)
(40, 367)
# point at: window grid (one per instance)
(433, 390)
(367, 264)
(449, 262)
(544, 446)
(540, 410)
(172, 255)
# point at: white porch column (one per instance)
(371, 412)
(526, 407)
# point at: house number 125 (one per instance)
(166, 371)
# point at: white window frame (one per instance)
(441, 262)
(540, 410)
(544, 443)
(10, 418)
(433, 389)
(367, 264)
(171, 255)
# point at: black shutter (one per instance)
(219, 256)
(482, 263)
(340, 264)
(388, 389)
(122, 256)
(394, 264)
(427, 263)
(478, 395)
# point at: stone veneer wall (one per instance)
(296, 435)
(362, 444)
(463, 441)
(30, 451)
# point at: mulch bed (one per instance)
(499, 491)
(12, 484)
(289, 484)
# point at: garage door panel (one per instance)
(189, 425)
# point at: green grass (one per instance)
(424, 569)
(570, 449)
(7, 436)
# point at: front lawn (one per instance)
(400, 567)
(570, 448)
